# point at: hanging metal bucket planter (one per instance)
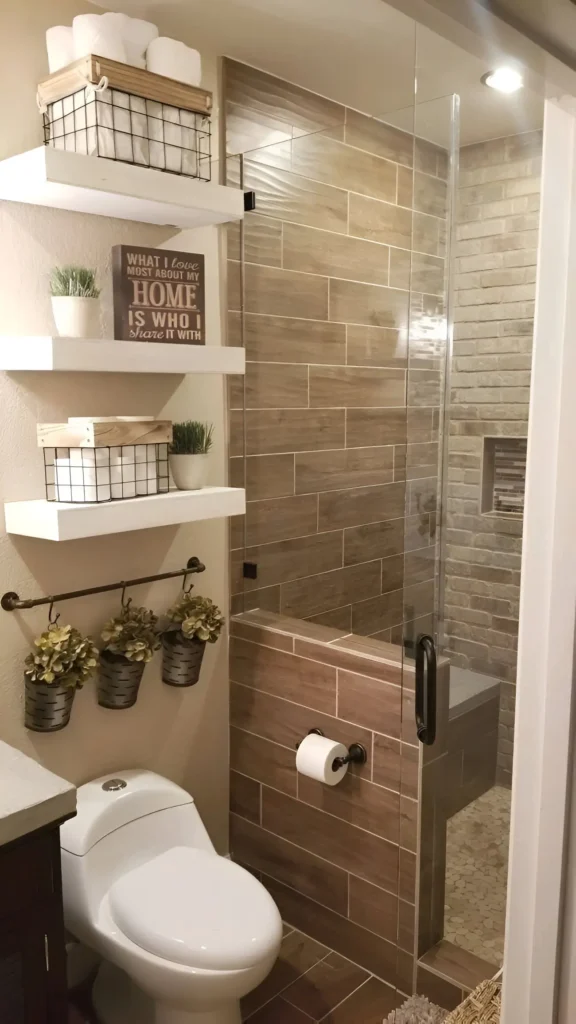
(118, 681)
(47, 708)
(181, 659)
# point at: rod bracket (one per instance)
(356, 755)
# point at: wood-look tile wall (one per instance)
(340, 862)
(336, 289)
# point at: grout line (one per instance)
(348, 895)
(292, 980)
(330, 276)
(328, 1016)
(321, 810)
(368, 657)
(367, 930)
(325, 861)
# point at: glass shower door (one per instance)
(469, 367)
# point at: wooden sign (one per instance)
(158, 295)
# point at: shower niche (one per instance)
(503, 476)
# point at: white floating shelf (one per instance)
(52, 520)
(91, 184)
(77, 354)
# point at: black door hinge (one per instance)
(249, 201)
(250, 571)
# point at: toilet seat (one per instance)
(197, 909)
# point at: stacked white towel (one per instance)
(60, 46)
(174, 59)
(129, 40)
(136, 35)
(93, 34)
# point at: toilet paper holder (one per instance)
(357, 753)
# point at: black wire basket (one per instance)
(86, 475)
(116, 125)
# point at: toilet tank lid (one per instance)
(111, 801)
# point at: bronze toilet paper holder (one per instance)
(357, 753)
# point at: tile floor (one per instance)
(312, 983)
(476, 875)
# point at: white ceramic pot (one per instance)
(189, 472)
(76, 317)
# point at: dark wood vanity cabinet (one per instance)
(32, 947)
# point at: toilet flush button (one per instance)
(111, 785)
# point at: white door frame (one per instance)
(542, 754)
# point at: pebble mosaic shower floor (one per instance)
(476, 875)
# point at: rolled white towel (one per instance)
(136, 35)
(174, 59)
(93, 34)
(60, 47)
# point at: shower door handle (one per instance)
(426, 689)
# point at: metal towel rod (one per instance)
(11, 602)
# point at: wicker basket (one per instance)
(119, 681)
(481, 1007)
(181, 659)
(47, 708)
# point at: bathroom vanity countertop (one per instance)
(31, 797)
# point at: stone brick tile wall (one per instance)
(347, 242)
(497, 233)
(341, 862)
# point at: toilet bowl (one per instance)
(183, 932)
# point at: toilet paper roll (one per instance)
(315, 757)
(80, 483)
(92, 34)
(60, 47)
(174, 59)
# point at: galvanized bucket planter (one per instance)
(181, 659)
(47, 708)
(119, 681)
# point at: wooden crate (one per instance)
(136, 81)
(103, 433)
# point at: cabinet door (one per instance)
(32, 956)
(23, 974)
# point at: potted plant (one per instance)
(130, 640)
(194, 622)
(191, 443)
(62, 662)
(75, 304)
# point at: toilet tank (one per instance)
(122, 821)
(112, 801)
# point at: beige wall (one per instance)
(183, 735)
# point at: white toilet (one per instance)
(184, 933)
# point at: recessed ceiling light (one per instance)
(503, 80)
